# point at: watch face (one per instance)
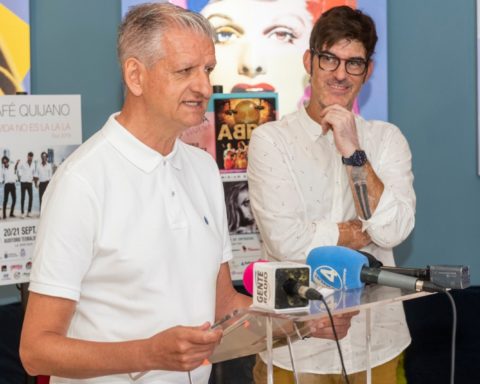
(358, 159)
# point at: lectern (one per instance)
(250, 331)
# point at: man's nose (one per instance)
(202, 84)
(341, 72)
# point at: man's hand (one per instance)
(351, 235)
(183, 348)
(323, 328)
(342, 123)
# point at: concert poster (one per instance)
(236, 116)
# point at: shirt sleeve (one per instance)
(394, 217)
(278, 205)
(64, 245)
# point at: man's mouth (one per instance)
(336, 86)
(192, 103)
(261, 87)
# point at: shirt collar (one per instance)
(139, 154)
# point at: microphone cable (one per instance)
(454, 336)
(344, 371)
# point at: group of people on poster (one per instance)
(24, 174)
(235, 158)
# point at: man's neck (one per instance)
(151, 133)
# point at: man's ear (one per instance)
(369, 71)
(307, 61)
(133, 75)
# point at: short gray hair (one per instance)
(141, 31)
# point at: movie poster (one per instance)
(37, 133)
(14, 47)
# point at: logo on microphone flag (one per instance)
(326, 276)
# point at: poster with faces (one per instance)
(37, 133)
(260, 46)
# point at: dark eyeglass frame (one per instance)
(330, 55)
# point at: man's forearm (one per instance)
(366, 188)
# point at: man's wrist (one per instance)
(357, 159)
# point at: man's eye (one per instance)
(329, 59)
(226, 34)
(356, 63)
(185, 70)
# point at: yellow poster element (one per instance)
(14, 51)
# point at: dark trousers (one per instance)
(26, 187)
(9, 189)
(41, 190)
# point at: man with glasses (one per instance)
(325, 176)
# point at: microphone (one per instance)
(279, 286)
(343, 268)
(446, 276)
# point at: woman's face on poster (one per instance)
(243, 203)
(260, 44)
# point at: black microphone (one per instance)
(447, 276)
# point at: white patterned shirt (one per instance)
(299, 191)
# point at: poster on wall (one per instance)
(14, 47)
(260, 45)
(37, 133)
(225, 135)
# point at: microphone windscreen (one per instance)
(248, 276)
(336, 267)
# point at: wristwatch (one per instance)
(358, 159)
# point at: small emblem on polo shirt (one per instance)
(205, 218)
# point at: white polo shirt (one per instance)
(136, 238)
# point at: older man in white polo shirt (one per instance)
(130, 267)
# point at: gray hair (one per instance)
(141, 31)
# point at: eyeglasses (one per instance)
(329, 62)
